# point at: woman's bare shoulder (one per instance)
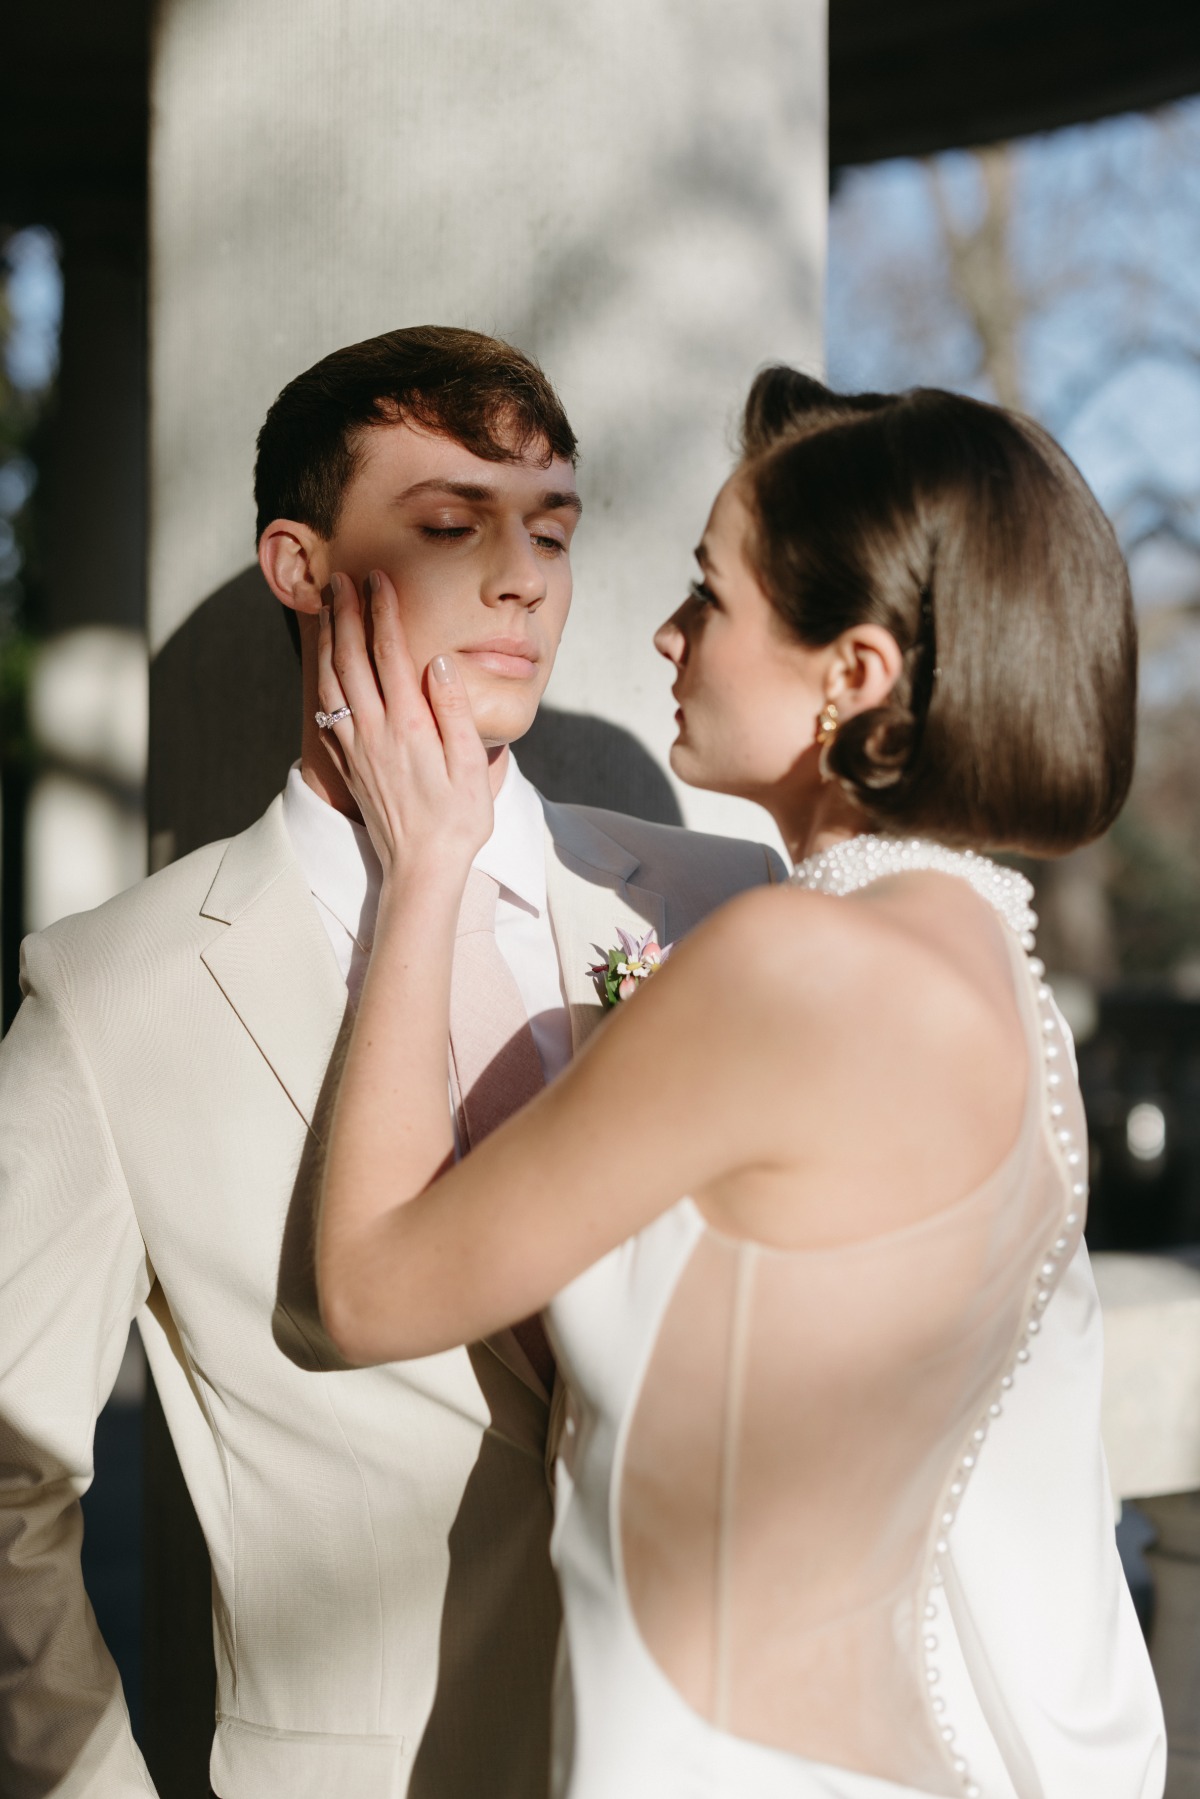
(880, 1042)
(789, 942)
(902, 964)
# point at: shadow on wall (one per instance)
(224, 718)
(584, 761)
(225, 725)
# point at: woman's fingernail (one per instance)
(443, 669)
(335, 586)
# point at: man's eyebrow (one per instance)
(567, 501)
(702, 556)
(462, 490)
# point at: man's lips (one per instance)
(504, 656)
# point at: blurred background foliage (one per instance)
(30, 317)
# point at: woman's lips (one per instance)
(503, 656)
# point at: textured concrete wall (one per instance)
(633, 191)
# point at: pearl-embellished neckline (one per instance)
(853, 864)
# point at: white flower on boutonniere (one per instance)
(634, 959)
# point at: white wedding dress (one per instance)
(765, 1451)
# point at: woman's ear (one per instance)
(865, 667)
(288, 555)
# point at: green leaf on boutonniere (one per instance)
(623, 968)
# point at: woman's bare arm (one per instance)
(406, 1267)
(824, 1052)
(654, 1109)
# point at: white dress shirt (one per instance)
(343, 873)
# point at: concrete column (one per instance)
(635, 192)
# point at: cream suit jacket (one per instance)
(383, 1608)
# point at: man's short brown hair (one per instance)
(971, 536)
(483, 393)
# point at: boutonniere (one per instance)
(634, 959)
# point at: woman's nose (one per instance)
(670, 641)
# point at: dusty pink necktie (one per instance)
(496, 1066)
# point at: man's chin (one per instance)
(503, 718)
(497, 733)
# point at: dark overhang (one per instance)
(74, 124)
(907, 77)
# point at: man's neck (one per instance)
(321, 773)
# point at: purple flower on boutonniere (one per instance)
(634, 959)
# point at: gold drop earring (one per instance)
(828, 720)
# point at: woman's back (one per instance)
(766, 1478)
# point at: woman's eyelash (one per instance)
(699, 591)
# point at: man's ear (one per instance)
(866, 663)
(289, 555)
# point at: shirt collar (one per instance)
(515, 853)
(343, 872)
(336, 856)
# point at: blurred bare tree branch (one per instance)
(1061, 277)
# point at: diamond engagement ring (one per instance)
(325, 719)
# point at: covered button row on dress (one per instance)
(938, 1704)
(1050, 1266)
(1049, 1270)
(1071, 1152)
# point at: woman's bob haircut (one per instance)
(968, 534)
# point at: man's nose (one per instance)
(516, 572)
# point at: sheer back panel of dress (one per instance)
(791, 1462)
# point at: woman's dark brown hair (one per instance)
(967, 533)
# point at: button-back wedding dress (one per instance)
(766, 1449)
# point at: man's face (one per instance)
(480, 555)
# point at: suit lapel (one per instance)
(273, 962)
(274, 965)
(590, 895)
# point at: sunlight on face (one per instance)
(480, 556)
(748, 692)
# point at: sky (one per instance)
(1105, 251)
(34, 293)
